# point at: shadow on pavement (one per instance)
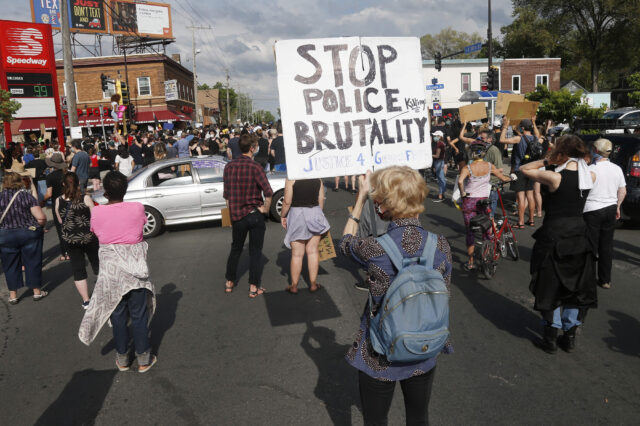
(283, 261)
(624, 257)
(502, 312)
(56, 275)
(80, 400)
(346, 263)
(337, 383)
(625, 330)
(286, 309)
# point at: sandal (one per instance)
(519, 226)
(228, 289)
(62, 259)
(315, 288)
(292, 290)
(14, 301)
(40, 296)
(531, 223)
(468, 267)
(255, 293)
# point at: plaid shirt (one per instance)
(244, 184)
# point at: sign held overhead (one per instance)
(473, 112)
(352, 104)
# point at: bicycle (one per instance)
(494, 238)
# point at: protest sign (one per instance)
(326, 249)
(518, 111)
(352, 104)
(473, 112)
(502, 105)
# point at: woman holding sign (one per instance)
(304, 221)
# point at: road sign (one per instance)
(434, 81)
(437, 109)
(63, 101)
(473, 48)
(435, 87)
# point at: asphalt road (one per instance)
(278, 359)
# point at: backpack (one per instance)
(412, 322)
(534, 151)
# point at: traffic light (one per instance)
(132, 113)
(438, 61)
(124, 92)
(104, 80)
(493, 82)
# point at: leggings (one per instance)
(376, 396)
(76, 254)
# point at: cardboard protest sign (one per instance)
(503, 101)
(473, 112)
(518, 111)
(352, 104)
(326, 249)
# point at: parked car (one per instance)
(627, 116)
(626, 154)
(186, 190)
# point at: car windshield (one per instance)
(134, 174)
(613, 115)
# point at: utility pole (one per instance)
(195, 75)
(69, 80)
(490, 39)
(228, 116)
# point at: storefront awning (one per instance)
(481, 95)
(33, 124)
(162, 116)
(90, 121)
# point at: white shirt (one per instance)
(609, 178)
(124, 165)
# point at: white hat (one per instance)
(497, 123)
(438, 133)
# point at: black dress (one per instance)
(563, 262)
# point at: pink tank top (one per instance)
(478, 186)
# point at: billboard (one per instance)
(147, 19)
(85, 16)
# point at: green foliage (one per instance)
(204, 86)
(279, 115)
(233, 101)
(262, 116)
(634, 83)
(8, 107)
(448, 41)
(528, 36)
(562, 106)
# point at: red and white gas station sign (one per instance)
(28, 71)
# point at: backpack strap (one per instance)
(430, 249)
(392, 251)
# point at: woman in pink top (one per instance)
(123, 291)
(475, 185)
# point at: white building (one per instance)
(458, 76)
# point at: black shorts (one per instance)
(522, 184)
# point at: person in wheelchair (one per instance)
(475, 186)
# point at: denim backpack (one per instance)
(412, 322)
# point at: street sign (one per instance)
(435, 87)
(63, 101)
(437, 109)
(473, 48)
(434, 81)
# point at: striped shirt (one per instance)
(19, 214)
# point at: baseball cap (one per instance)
(603, 145)
(526, 124)
(497, 123)
(438, 133)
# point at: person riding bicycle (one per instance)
(475, 185)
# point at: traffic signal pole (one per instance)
(69, 80)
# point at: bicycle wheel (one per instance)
(489, 265)
(512, 246)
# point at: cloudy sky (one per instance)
(244, 31)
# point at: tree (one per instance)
(8, 107)
(262, 116)
(561, 105)
(279, 115)
(634, 83)
(528, 36)
(233, 101)
(204, 86)
(448, 41)
(592, 26)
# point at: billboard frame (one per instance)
(137, 33)
(106, 31)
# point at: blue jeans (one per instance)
(42, 189)
(133, 305)
(493, 197)
(438, 167)
(564, 318)
(20, 247)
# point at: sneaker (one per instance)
(335, 189)
(85, 305)
(40, 296)
(122, 367)
(606, 286)
(438, 200)
(145, 368)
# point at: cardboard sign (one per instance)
(473, 112)
(352, 104)
(518, 111)
(326, 250)
(504, 99)
(226, 218)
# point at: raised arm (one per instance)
(545, 177)
(461, 134)
(503, 134)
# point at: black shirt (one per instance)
(305, 193)
(40, 166)
(113, 153)
(54, 181)
(234, 146)
(147, 152)
(136, 154)
(278, 147)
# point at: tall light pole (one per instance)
(195, 75)
(69, 80)
(490, 39)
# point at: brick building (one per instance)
(524, 75)
(147, 76)
(208, 106)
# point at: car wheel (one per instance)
(276, 205)
(153, 227)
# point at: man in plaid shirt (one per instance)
(244, 184)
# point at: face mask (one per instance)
(382, 215)
(448, 122)
(436, 138)
(256, 151)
